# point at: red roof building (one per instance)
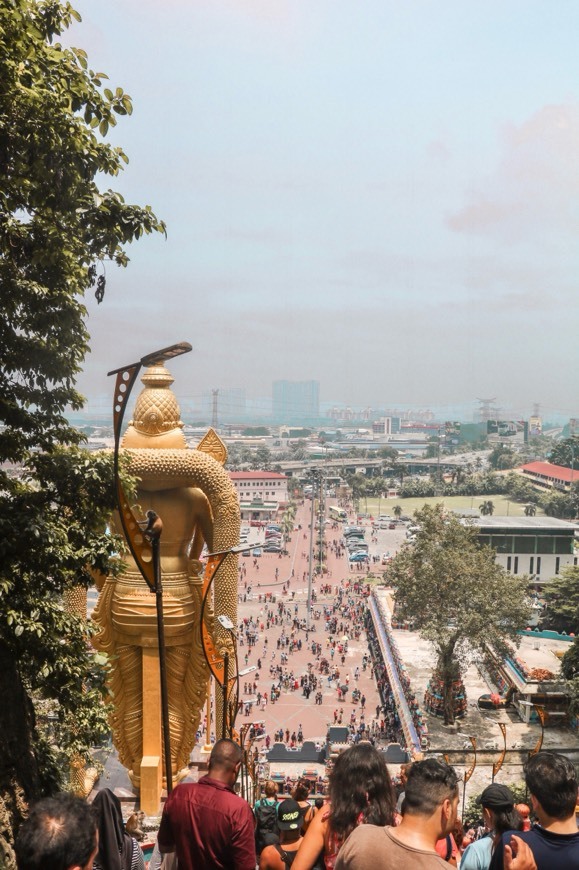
(549, 476)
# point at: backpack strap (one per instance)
(284, 855)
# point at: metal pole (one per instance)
(225, 693)
(321, 517)
(309, 607)
(155, 545)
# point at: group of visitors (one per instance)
(206, 825)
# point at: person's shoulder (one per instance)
(365, 834)
(480, 849)
(537, 834)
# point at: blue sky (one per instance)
(382, 196)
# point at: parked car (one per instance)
(256, 551)
(271, 548)
(359, 557)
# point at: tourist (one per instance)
(300, 795)
(280, 856)
(117, 849)
(429, 814)
(206, 823)
(264, 810)
(60, 833)
(360, 793)
(499, 816)
(554, 842)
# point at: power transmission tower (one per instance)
(487, 410)
(214, 393)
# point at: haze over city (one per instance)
(380, 196)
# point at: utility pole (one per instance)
(314, 478)
(321, 522)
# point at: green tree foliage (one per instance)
(487, 508)
(562, 602)
(262, 459)
(521, 489)
(566, 453)
(502, 457)
(58, 229)
(455, 595)
(562, 505)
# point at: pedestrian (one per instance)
(429, 815)
(499, 816)
(554, 842)
(60, 833)
(206, 823)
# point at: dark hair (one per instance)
(504, 819)
(319, 803)
(360, 788)
(60, 831)
(225, 754)
(429, 783)
(552, 779)
(301, 790)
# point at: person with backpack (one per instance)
(265, 811)
(280, 856)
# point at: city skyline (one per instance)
(379, 197)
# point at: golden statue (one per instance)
(193, 494)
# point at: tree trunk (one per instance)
(449, 673)
(19, 775)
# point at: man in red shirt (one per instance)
(205, 822)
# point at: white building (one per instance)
(261, 493)
(539, 546)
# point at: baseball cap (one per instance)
(289, 815)
(496, 796)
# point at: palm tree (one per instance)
(530, 510)
(487, 508)
(397, 511)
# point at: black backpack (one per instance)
(266, 817)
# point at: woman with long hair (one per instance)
(300, 794)
(360, 793)
(499, 816)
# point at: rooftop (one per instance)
(256, 475)
(539, 523)
(547, 469)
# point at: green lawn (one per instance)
(503, 506)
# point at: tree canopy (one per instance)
(566, 452)
(562, 602)
(59, 228)
(453, 592)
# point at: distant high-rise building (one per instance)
(296, 401)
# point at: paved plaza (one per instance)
(292, 709)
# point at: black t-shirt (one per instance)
(551, 851)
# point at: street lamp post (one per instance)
(144, 544)
(218, 661)
(309, 604)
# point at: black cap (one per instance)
(289, 816)
(496, 796)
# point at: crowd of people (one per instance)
(359, 815)
(362, 823)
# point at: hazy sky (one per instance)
(382, 196)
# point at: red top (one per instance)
(208, 826)
(553, 472)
